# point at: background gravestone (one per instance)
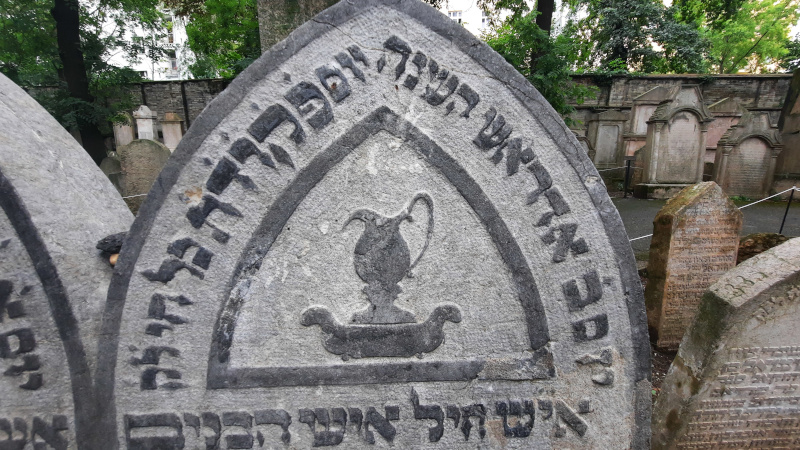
(676, 143)
(145, 123)
(695, 240)
(275, 289)
(746, 156)
(55, 204)
(734, 383)
(140, 162)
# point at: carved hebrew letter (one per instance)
(380, 423)
(301, 97)
(429, 412)
(50, 433)
(328, 436)
(594, 291)
(132, 423)
(494, 132)
(275, 115)
(521, 429)
(276, 417)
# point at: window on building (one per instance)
(170, 35)
(455, 15)
(173, 60)
(143, 74)
(484, 19)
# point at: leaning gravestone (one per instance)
(380, 233)
(695, 241)
(55, 204)
(140, 163)
(734, 383)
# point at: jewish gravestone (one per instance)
(123, 131)
(746, 156)
(55, 204)
(380, 233)
(145, 123)
(676, 144)
(734, 383)
(695, 240)
(140, 162)
(172, 130)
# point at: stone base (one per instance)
(657, 190)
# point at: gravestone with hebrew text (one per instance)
(140, 163)
(695, 241)
(734, 382)
(55, 204)
(379, 234)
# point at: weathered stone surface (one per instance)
(695, 239)
(55, 204)
(111, 167)
(753, 244)
(141, 161)
(746, 156)
(145, 123)
(274, 287)
(123, 132)
(676, 138)
(172, 130)
(734, 381)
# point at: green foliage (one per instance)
(744, 34)
(619, 35)
(790, 61)
(29, 55)
(223, 34)
(543, 60)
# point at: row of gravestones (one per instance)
(136, 163)
(675, 136)
(146, 127)
(275, 291)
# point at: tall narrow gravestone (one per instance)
(695, 240)
(734, 383)
(379, 234)
(55, 204)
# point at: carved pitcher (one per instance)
(382, 260)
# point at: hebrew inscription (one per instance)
(373, 242)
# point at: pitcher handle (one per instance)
(429, 201)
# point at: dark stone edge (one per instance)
(59, 304)
(226, 101)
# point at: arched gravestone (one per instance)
(275, 289)
(55, 205)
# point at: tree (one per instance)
(542, 59)
(222, 34)
(751, 34)
(63, 44)
(620, 34)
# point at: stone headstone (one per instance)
(695, 240)
(676, 140)
(123, 132)
(111, 167)
(275, 288)
(734, 382)
(727, 113)
(172, 130)
(605, 133)
(140, 161)
(145, 123)
(746, 156)
(643, 107)
(789, 126)
(55, 204)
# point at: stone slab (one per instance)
(140, 163)
(734, 382)
(55, 204)
(274, 289)
(657, 191)
(695, 241)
